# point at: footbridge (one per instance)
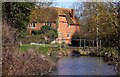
(67, 51)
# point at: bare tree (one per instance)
(45, 3)
(98, 20)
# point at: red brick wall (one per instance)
(54, 25)
(38, 26)
(64, 29)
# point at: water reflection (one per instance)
(83, 65)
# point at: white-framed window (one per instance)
(32, 25)
(68, 25)
(68, 35)
(43, 23)
(48, 24)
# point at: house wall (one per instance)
(64, 30)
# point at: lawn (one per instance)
(44, 48)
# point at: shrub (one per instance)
(49, 32)
(39, 35)
(34, 38)
(110, 52)
(35, 32)
(75, 39)
(27, 63)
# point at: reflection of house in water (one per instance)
(62, 19)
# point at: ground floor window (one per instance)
(68, 35)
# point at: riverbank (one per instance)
(37, 61)
(110, 55)
(26, 63)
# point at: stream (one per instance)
(83, 65)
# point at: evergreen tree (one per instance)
(18, 14)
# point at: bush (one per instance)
(49, 32)
(39, 35)
(34, 38)
(45, 28)
(27, 63)
(35, 32)
(109, 52)
(75, 39)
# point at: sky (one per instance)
(69, 3)
(65, 3)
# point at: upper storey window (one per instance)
(48, 24)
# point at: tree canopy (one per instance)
(18, 14)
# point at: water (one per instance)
(83, 65)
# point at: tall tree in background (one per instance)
(118, 16)
(45, 3)
(98, 16)
(17, 13)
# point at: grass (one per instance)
(25, 47)
(41, 48)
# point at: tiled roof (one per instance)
(50, 14)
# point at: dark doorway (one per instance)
(75, 53)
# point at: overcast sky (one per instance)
(65, 3)
(69, 3)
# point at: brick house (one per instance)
(62, 19)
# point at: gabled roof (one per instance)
(50, 14)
